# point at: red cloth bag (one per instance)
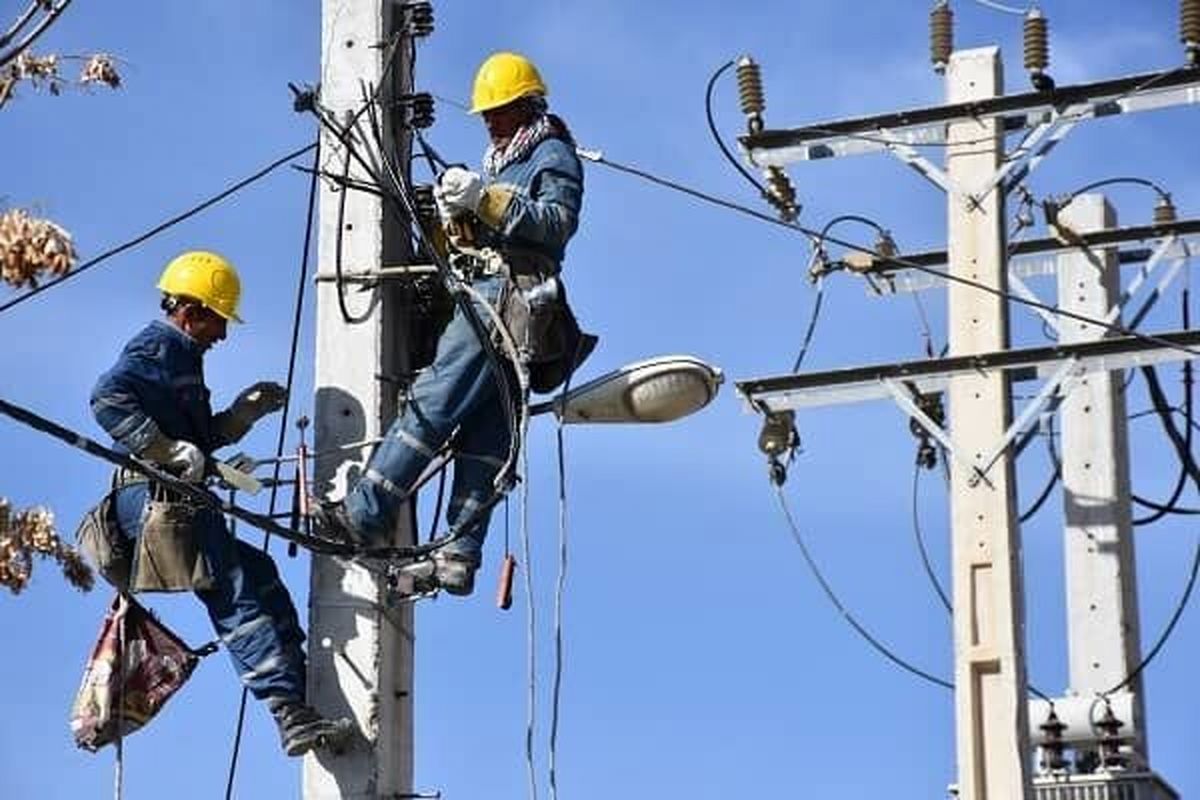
(121, 693)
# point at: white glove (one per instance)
(458, 191)
(180, 458)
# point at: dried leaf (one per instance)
(32, 532)
(100, 69)
(30, 246)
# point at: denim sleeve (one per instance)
(117, 403)
(547, 211)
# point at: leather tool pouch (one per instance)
(169, 558)
(100, 539)
(539, 318)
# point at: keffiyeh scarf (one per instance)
(542, 127)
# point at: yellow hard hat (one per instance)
(207, 278)
(502, 78)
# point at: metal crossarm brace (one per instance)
(902, 394)
(928, 125)
(1029, 257)
(1058, 385)
(860, 384)
(1143, 275)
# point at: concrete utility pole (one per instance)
(1102, 616)
(993, 718)
(360, 650)
(989, 672)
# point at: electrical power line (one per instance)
(297, 317)
(598, 158)
(157, 229)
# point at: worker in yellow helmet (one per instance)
(155, 405)
(520, 213)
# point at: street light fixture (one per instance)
(660, 389)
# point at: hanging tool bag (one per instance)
(166, 557)
(136, 665)
(99, 538)
(169, 557)
(535, 310)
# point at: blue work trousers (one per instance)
(249, 606)
(457, 391)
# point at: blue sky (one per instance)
(702, 661)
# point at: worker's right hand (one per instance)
(180, 458)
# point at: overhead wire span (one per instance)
(281, 438)
(597, 157)
(1158, 398)
(560, 583)
(53, 12)
(191, 491)
(530, 632)
(20, 22)
(1007, 9)
(716, 134)
(866, 635)
(157, 229)
(1171, 505)
(1051, 482)
(919, 536)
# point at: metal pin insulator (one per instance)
(418, 18)
(1189, 29)
(1164, 211)
(941, 35)
(750, 93)
(781, 193)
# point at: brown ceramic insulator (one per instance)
(941, 35)
(1189, 29)
(750, 92)
(781, 193)
(1037, 42)
(1164, 212)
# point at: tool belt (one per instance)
(166, 556)
(532, 305)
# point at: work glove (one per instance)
(180, 458)
(251, 405)
(459, 191)
(256, 401)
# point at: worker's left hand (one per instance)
(458, 191)
(257, 401)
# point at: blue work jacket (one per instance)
(547, 187)
(156, 386)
